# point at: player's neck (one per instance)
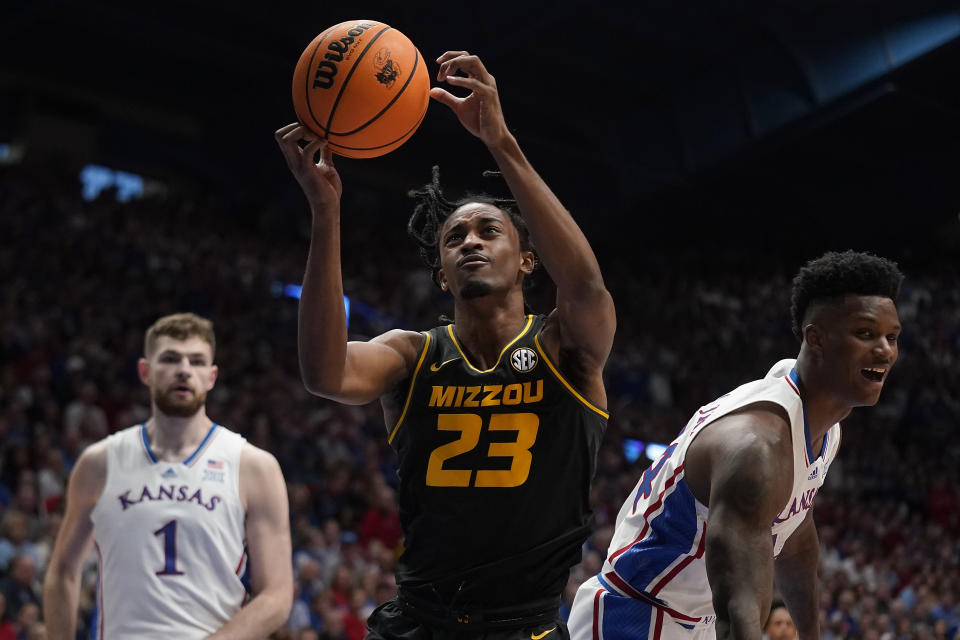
(822, 407)
(484, 327)
(172, 438)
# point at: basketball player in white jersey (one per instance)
(176, 508)
(728, 506)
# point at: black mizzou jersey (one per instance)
(495, 469)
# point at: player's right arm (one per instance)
(742, 466)
(61, 585)
(354, 372)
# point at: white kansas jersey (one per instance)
(657, 552)
(170, 538)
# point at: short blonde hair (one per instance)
(179, 326)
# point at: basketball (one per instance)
(363, 86)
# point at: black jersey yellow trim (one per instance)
(413, 380)
(453, 337)
(587, 403)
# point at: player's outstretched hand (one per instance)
(479, 112)
(318, 179)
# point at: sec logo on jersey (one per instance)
(523, 359)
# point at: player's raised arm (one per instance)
(357, 372)
(61, 585)
(738, 463)
(584, 307)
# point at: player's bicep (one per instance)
(267, 523)
(747, 490)
(373, 368)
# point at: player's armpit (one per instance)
(587, 321)
(373, 368)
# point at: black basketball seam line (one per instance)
(416, 62)
(346, 80)
(408, 133)
(306, 85)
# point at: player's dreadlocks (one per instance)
(432, 208)
(834, 275)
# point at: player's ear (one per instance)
(143, 370)
(813, 336)
(214, 372)
(528, 260)
(442, 279)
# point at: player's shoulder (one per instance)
(407, 343)
(261, 478)
(89, 474)
(256, 462)
(757, 432)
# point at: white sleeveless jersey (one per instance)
(170, 539)
(657, 551)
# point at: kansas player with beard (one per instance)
(176, 507)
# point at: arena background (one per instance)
(706, 148)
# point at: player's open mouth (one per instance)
(873, 374)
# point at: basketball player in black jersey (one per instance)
(496, 418)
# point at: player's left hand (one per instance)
(479, 112)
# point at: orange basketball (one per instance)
(363, 86)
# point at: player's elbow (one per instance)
(319, 382)
(281, 602)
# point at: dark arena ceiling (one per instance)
(751, 122)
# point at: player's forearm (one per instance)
(741, 582)
(61, 594)
(263, 615)
(797, 582)
(322, 327)
(561, 245)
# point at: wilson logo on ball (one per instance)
(327, 68)
(523, 359)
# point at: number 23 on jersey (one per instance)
(470, 426)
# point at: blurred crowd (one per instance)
(82, 280)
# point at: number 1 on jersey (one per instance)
(169, 533)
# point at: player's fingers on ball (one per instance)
(450, 55)
(472, 66)
(444, 97)
(450, 65)
(312, 147)
(327, 155)
(284, 130)
(468, 83)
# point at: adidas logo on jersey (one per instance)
(169, 473)
(813, 476)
